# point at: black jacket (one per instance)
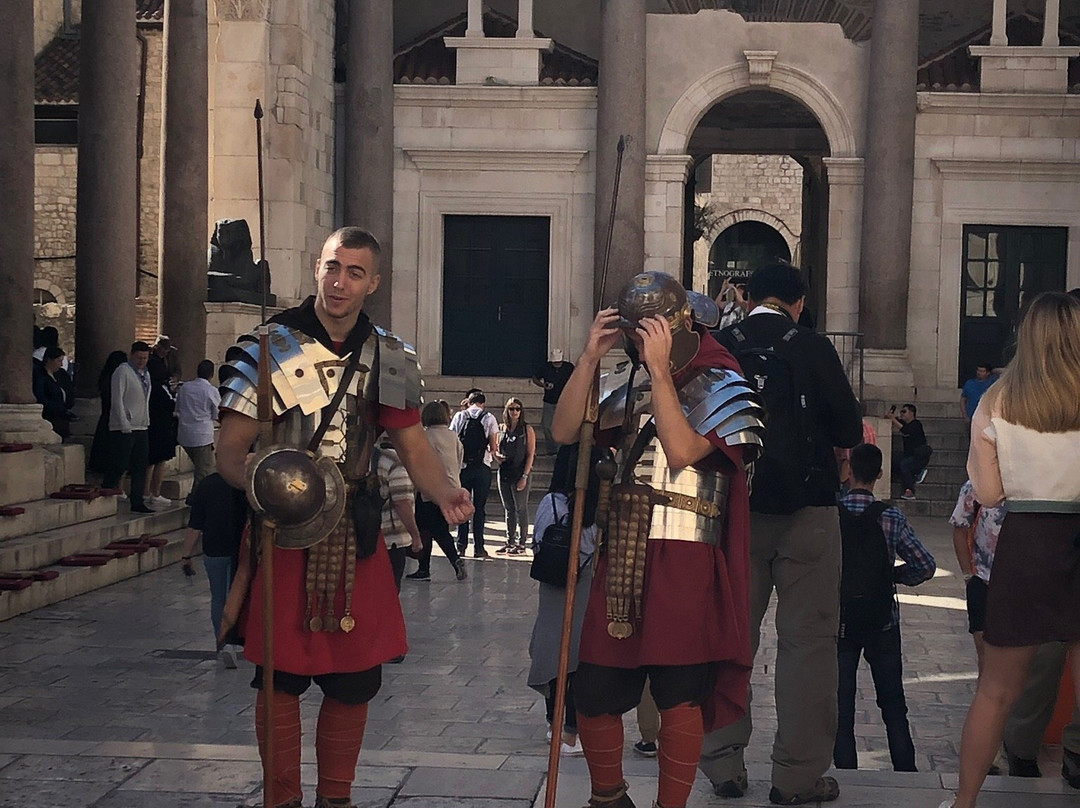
(832, 407)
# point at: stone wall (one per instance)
(283, 54)
(499, 151)
(982, 160)
(751, 187)
(54, 238)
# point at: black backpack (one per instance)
(474, 439)
(866, 583)
(781, 482)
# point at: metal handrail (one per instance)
(849, 346)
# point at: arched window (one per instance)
(741, 249)
(43, 296)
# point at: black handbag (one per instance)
(552, 560)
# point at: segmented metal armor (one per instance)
(305, 376)
(651, 500)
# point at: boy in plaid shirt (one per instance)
(881, 644)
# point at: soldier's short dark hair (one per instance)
(356, 238)
(865, 462)
(782, 281)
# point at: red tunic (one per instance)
(379, 635)
(696, 597)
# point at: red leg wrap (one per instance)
(286, 785)
(602, 739)
(681, 737)
(338, 737)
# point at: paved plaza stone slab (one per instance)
(507, 785)
(98, 711)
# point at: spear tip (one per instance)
(258, 110)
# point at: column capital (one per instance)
(668, 167)
(845, 170)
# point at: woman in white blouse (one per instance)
(1025, 450)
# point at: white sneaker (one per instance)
(566, 750)
(548, 736)
(947, 803)
(159, 500)
(121, 497)
(228, 657)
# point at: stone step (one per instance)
(42, 549)
(38, 472)
(73, 581)
(937, 509)
(50, 514)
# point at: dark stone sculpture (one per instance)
(233, 276)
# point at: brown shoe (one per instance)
(323, 802)
(826, 789)
(620, 799)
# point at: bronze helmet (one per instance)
(657, 294)
(302, 496)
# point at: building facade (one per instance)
(926, 178)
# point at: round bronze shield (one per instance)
(304, 496)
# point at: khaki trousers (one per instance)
(798, 556)
(1035, 707)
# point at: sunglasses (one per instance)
(513, 409)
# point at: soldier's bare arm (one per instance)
(570, 411)
(238, 433)
(682, 445)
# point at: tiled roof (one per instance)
(149, 10)
(427, 60)
(955, 70)
(56, 68)
(56, 72)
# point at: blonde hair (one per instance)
(1040, 389)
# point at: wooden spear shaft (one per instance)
(266, 527)
(581, 485)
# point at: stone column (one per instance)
(885, 253)
(525, 19)
(105, 239)
(184, 181)
(1051, 23)
(20, 416)
(998, 35)
(621, 111)
(369, 135)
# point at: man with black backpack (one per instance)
(873, 535)
(479, 434)
(794, 536)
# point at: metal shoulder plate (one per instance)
(399, 383)
(724, 403)
(303, 373)
(613, 394)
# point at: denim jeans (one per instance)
(219, 573)
(882, 652)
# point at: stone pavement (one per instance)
(115, 700)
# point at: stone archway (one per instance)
(755, 215)
(710, 90)
(839, 175)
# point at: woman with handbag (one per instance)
(517, 448)
(551, 554)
